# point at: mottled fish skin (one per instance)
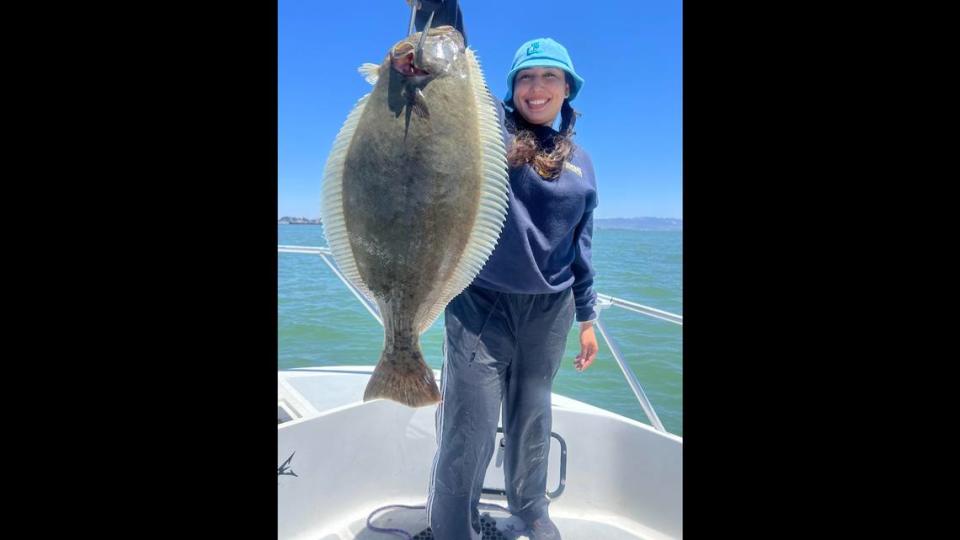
(412, 184)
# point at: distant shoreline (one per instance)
(639, 224)
(286, 220)
(628, 224)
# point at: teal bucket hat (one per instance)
(542, 52)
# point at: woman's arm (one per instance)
(585, 297)
(583, 293)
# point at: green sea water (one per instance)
(321, 323)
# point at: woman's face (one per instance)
(538, 94)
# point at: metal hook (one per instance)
(418, 53)
(414, 6)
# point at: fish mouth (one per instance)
(406, 67)
(402, 60)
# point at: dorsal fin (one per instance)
(492, 209)
(331, 211)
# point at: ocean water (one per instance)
(321, 323)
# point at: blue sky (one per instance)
(628, 52)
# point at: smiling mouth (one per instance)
(537, 103)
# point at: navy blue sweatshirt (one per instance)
(546, 240)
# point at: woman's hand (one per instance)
(588, 347)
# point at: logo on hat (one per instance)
(534, 48)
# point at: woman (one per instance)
(506, 333)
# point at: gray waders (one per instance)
(499, 348)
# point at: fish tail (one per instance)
(403, 376)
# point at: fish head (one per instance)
(442, 55)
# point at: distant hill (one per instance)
(639, 224)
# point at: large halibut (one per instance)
(414, 197)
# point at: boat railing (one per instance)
(603, 302)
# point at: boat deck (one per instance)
(413, 521)
(341, 459)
